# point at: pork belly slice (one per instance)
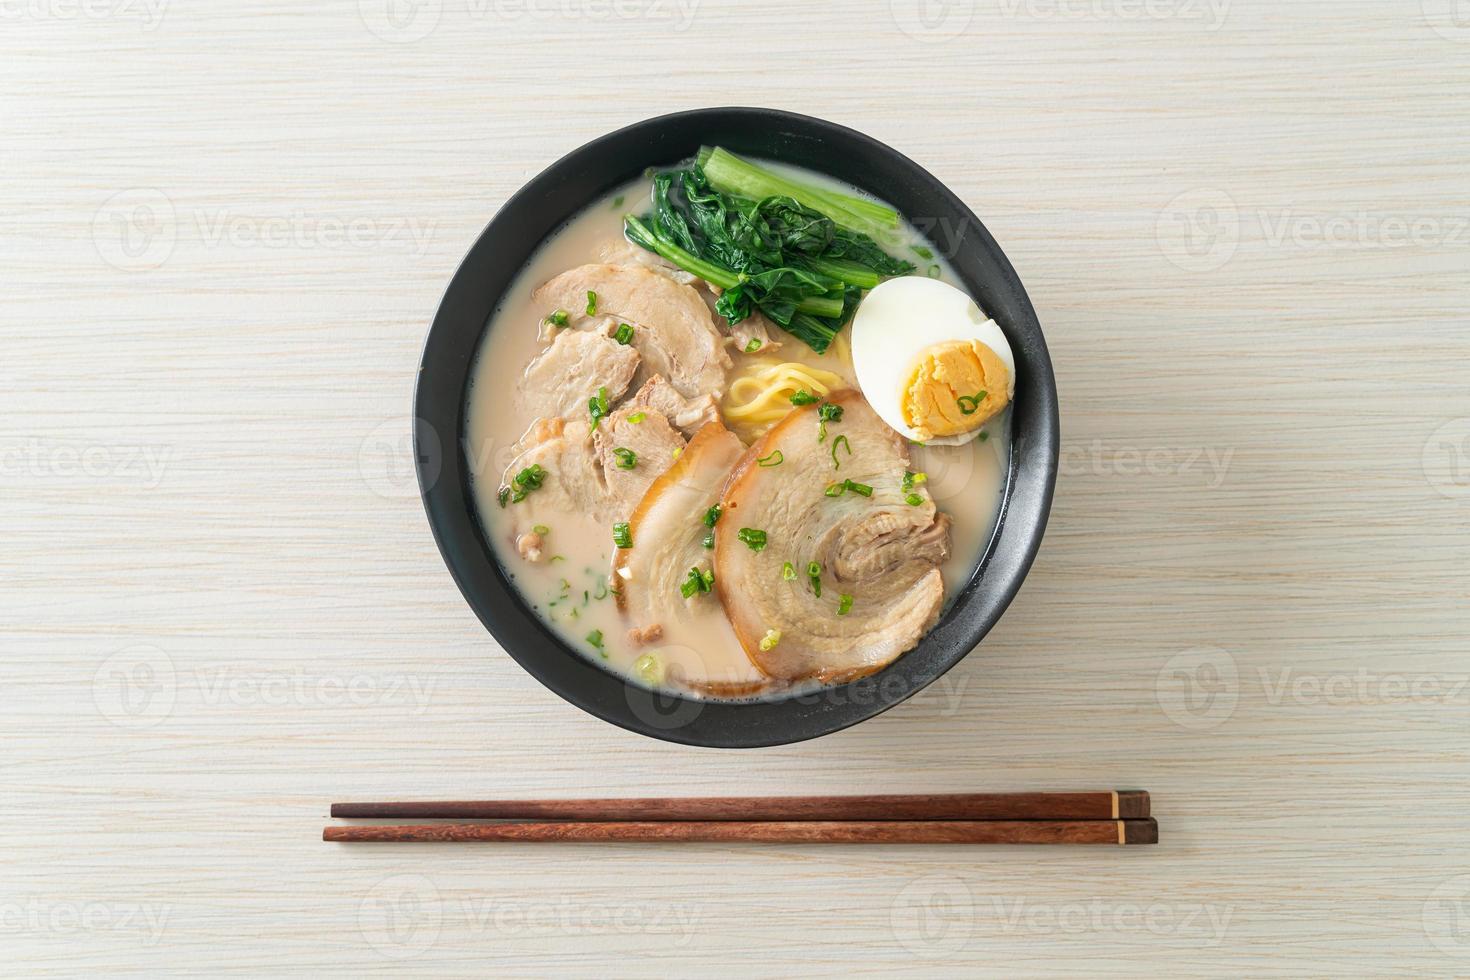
(673, 330)
(881, 550)
(668, 530)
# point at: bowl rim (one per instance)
(444, 477)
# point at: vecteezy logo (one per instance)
(387, 456)
(1199, 230)
(135, 229)
(1198, 688)
(135, 687)
(933, 917)
(1450, 19)
(400, 916)
(932, 20)
(1446, 458)
(667, 712)
(1447, 916)
(400, 21)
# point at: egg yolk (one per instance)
(956, 386)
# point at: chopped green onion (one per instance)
(827, 413)
(776, 458)
(541, 529)
(503, 495)
(557, 318)
(678, 451)
(913, 500)
(933, 272)
(769, 641)
(803, 397)
(709, 540)
(595, 638)
(844, 604)
(617, 202)
(698, 581)
(591, 303)
(627, 459)
(754, 538)
(712, 516)
(624, 334)
(814, 576)
(523, 483)
(637, 417)
(838, 489)
(922, 252)
(752, 346)
(839, 441)
(970, 404)
(601, 592)
(788, 572)
(597, 407)
(622, 535)
(911, 480)
(648, 668)
(984, 435)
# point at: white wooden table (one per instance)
(1246, 228)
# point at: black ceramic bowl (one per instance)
(558, 194)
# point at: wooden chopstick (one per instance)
(1143, 831)
(1104, 805)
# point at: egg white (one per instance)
(894, 324)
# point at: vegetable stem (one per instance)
(639, 234)
(733, 175)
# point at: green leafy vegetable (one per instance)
(803, 397)
(801, 255)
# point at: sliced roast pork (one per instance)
(566, 375)
(689, 415)
(673, 330)
(826, 570)
(668, 529)
(634, 446)
(556, 471)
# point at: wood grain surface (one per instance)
(225, 228)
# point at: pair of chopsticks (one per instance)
(1106, 817)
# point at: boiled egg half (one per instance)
(932, 365)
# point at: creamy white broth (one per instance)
(569, 588)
